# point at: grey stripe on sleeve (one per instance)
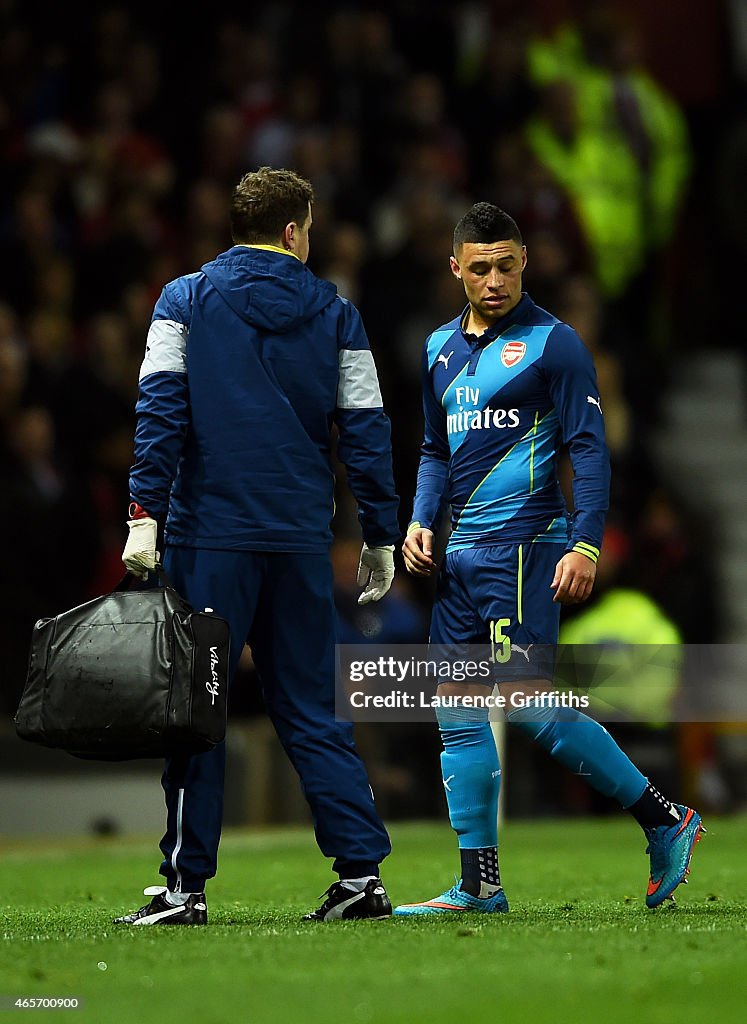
(358, 386)
(165, 348)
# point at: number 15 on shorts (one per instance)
(500, 644)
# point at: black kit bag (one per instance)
(135, 673)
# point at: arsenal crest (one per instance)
(512, 353)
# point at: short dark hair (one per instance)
(485, 222)
(267, 199)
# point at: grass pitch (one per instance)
(578, 945)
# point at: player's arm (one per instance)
(364, 447)
(573, 388)
(433, 476)
(162, 418)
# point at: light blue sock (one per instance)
(471, 775)
(584, 746)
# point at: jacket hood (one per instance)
(270, 290)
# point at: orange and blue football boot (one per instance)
(456, 901)
(670, 848)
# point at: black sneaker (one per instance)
(159, 911)
(344, 904)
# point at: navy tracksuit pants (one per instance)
(283, 605)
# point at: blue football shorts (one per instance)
(497, 600)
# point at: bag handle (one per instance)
(129, 578)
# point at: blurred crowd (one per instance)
(123, 131)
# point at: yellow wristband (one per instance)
(586, 549)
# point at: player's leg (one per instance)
(228, 582)
(469, 761)
(293, 640)
(585, 747)
(582, 744)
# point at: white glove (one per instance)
(140, 553)
(375, 572)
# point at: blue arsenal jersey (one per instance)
(498, 410)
